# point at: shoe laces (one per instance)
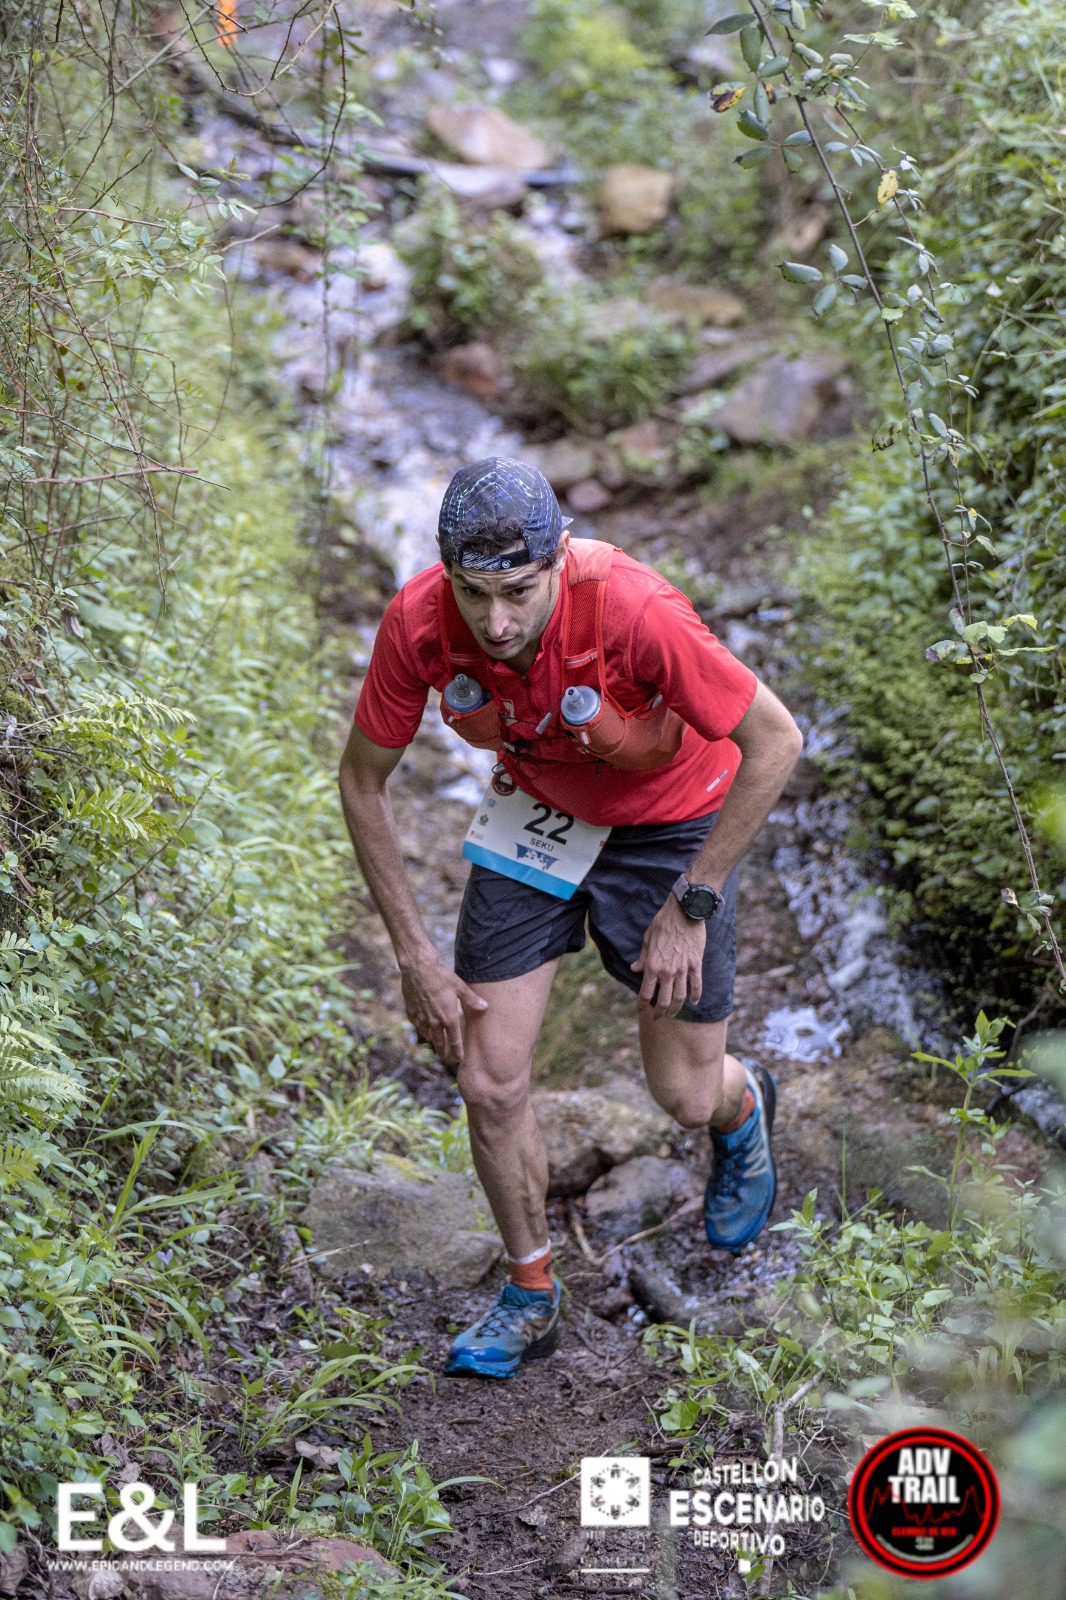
(500, 1317)
(729, 1172)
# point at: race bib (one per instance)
(526, 839)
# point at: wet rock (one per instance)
(565, 1557)
(564, 462)
(800, 233)
(615, 1303)
(486, 137)
(782, 400)
(481, 188)
(702, 305)
(475, 368)
(586, 1132)
(644, 450)
(384, 283)
(721, 355)
(400, 1216)
(639, 1193)
(588, 496)
(278, 254)
(634, 199)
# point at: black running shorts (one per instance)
(508, 928)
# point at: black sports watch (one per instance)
(697, 900)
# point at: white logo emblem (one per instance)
(615, 1492)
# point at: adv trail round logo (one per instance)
(924, 1502)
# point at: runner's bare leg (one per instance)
(688, 1070)
(494, 1082)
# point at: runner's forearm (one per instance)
(770, 744)
(373, 830)
(372, 826)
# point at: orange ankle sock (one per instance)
(746, 1109)
(535, 1273)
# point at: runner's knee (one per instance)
(491, 1096)
(692, 1105)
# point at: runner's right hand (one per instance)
(432, 995)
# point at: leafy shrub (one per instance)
(598, 370)
(468, 277)
(172, 852)
(873, 572)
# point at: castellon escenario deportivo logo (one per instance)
(924, 1502)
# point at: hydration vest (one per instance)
(637, 740)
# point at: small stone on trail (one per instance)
(799, 235)
(639, 1193)
(587, 496)
(474, 367)
(782, 400)
(482, 188)
(487, 137)
(702, 304)
(634, 199)
(402, 1216)
(585, 1132)
(564, 462)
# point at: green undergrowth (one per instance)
(888, 1317)
(874, 573)
(172, 899)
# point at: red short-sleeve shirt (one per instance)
(654, 643)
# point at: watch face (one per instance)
(699, 902)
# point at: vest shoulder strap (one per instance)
(588, 569)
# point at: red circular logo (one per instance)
(924, 1502)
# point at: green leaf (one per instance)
(798, 272)
(939, 424)
(802, 137)
(752, 158)
(793, 160)
(751, 45)
(752, 127)
(824, 299)
(837, 258)
(890, 314)
(773, 67)
(853, 280)
(761, 104)
(812, 58)
(731, 24)
(799, 16)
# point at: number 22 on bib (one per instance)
(525, 839)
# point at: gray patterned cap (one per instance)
(498, 490)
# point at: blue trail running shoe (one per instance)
(523, 1325)
(743, 1182)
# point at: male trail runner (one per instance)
(659, 896)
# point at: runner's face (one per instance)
(508, 611)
